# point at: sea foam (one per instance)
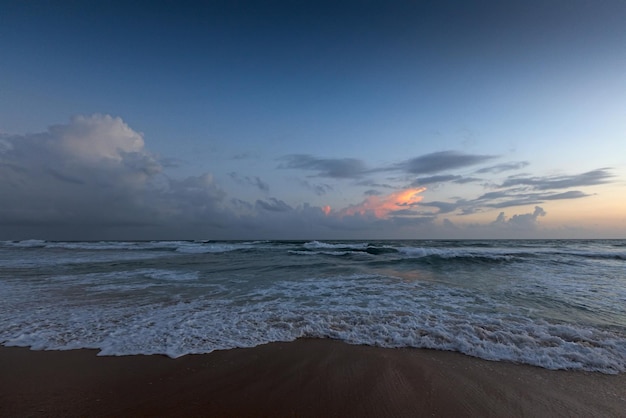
(539, 303)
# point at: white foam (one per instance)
(359, 309)
(93, 246)
(332, 253)
(204, 248)
(449, 253)
(29, 243)
(313, 245)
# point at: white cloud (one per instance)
(96, 137)
(520, 221)
(92, 173)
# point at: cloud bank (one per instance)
(95, 173)
(94, 178)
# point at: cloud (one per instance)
(524, 225)
(372, 192)
(382, 207)
(508, 198)
(445, 178)
(273, 205)
(338, 168)
(250, 181)
(192, 198)
(319, 189)
(500, 199)
(522, 221)
(590, 178)
(91, 173)
(465, 180)
(499, 168)
(573, 194)
(445, 207)
(442, 161)
(241, 156)
(371, 183)
(94, 178)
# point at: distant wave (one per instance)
(204, 248)
(326, 245)
(486, 252)
(189, 247)
(28, 243)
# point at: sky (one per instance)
(312, 120)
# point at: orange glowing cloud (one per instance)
(381, 206)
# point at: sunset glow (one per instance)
(382, 206)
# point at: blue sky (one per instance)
(252, 120)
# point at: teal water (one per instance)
(554, 304)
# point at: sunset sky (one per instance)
(312, 120)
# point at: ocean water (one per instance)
(555, 304)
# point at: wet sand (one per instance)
(320, 378)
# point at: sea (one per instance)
(556, 304)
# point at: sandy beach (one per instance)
(301, 378)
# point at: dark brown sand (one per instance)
(319, 378)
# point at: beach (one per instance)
(307, 377)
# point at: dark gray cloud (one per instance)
(372, 192)
(241, 204)
(465, 180)
(500, 199)
(445, 207)
(516, 197)
(443, 178)
(64, 177)
(251, 181)
(273, 205)
(590, 178)
(402, 212)
(512, 202)
(499, 168)
(338, 168)
(371, 183)
(573, 194)
(521, 199)
(495, 195)
(437, 162)
(319, 189)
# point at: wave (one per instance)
(357, 309)
(606, 255)
(330, 253)
(189, 247)
(325, 245)
(427, 254)
(28, 243)
(205, 248)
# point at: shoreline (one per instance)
(307, 377)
